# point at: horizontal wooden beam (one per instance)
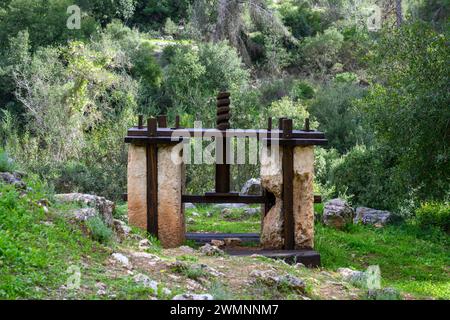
(167, 132)
(317, 198)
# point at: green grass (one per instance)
(411, 260)
(236, 222)
(37, 249)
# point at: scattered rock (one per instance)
(192, 296)
(121, 228)
(14, 178)
(144, 244)
(122, 259)
(272, 279)
(230, 205)
(218, 243)
(252, 187)
(145, 255)
(190, 220)
(146, 282)
(210, 250)
(189, 205)
(101, 288)
(195, 214)
(232, 242)
(357, 278)
(299, 265)
(252, 211)
(83, 214)
(209, 214)
(187, 249)
(337, 213)
(226, 212)
(104, 207)
(378, 218)
(384, 294)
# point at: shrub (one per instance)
(338, 117)
(6, 163)
(436, 214)
(320, 53)
(369, 175)
(98, 230)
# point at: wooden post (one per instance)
(140, 121)
(162, 121)
(288, 175)
(152, 180)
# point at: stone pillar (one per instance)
(272, 236)
(304, 196)
(171, 225)
(137, 186)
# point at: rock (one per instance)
(101, 288)
(83, 214)
(218, 243)
(252, 187)
(226, 212)
(384, 294)
(230, 205)
(191, 296)
(337, 213)
(210, 250)
(104, 207)
(145, 255)
(122, 259)
(252, 211)
(232, 242)
(121, 228)
(146, 282)
(272, 279)
(195, 214)
(190, 220)
(209, 214)
(187, 249)
(357, 278)
(372, 216)
(294, 283)
(189, 205)
(14, 178)
(144, 244)
(299, 265)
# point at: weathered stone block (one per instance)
(137, 186)
(171, 225)
(303, 197)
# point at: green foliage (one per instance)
(291, 109)
(320, 53)
(6, 163)
(337, 116)
(301, 19)
(434, 214)
(146, 67)
(45, 23)
(98, 230)
(367, 174)
(408, 108)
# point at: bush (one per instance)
(434, 214)
(98, 230)
(6, 163)
(338, 117)
(368, 174)
(320, 53)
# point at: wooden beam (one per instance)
(288, 187)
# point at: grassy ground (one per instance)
(411, 260)
(40, 252)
